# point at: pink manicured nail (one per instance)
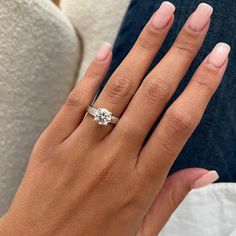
(163, 15)
(103, 52)
(200, 17)
(206, 179)
(219, 54)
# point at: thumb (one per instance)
(172, 194)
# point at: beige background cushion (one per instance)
(39, 57)
(96, 21)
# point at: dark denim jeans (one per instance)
(213, 144)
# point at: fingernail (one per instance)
(104, 51)
(200, 17)
(206, 179)
(219, 54)
(163, 15)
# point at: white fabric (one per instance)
(205, 212)
(96, 21)
(39, 56)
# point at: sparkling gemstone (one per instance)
(103, 116)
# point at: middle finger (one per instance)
(161, 83)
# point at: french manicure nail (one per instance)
(200, 17)
(104, 51)
(219, 54)
(163, 15)
(206, 179)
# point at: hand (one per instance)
(87, 179)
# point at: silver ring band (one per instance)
(102, 116)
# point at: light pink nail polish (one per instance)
(104, 51)
(219, 54)
(199, 19)
(206, 179)
(162, 16)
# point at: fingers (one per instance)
(57, 2)
(184, 114)
(126, 79)
(161, 83)
(74, 109)
(171, 195)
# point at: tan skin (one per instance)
(57, 2)
(86, 179)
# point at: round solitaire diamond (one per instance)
(103, 116)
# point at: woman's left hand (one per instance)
(86, 179)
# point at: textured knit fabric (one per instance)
(213, 144)
(96, 21)
(39, 57)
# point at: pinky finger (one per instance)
(184, 115)
(74, 109)
(173, 192)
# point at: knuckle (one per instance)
(180, 122)
(145, 43)
(92, 73)
(42, 151)
(186, 46)
(156, 90)
(76, 98)
(119, 86)
(175, 198)
(207, 78)
(205, 81)
(167, 147)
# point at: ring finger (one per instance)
(127, 78)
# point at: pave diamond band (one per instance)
(102, 116)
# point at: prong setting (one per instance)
(103, 117)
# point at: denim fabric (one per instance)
(213, 144)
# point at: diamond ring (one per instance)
(102, 116)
